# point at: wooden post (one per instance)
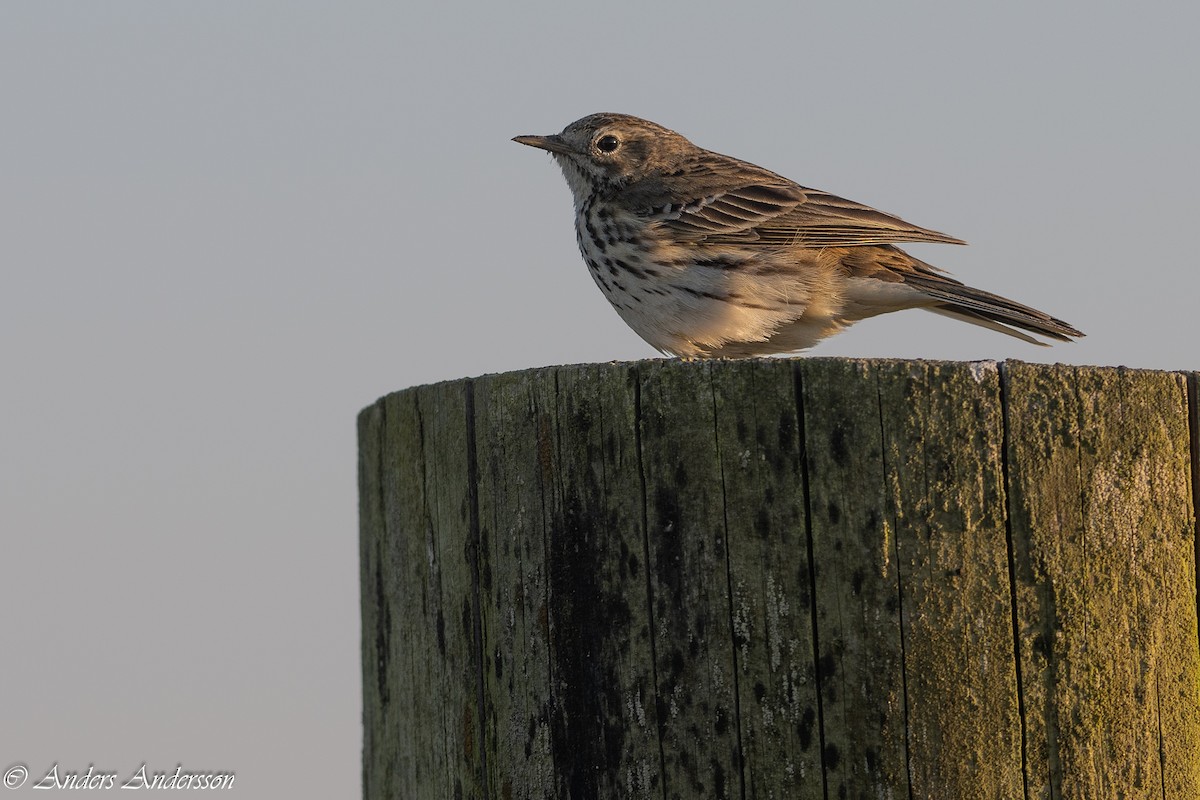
(809, 578)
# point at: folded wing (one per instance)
(787, 215)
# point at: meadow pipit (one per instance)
(707, 256)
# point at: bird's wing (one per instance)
(787, 215)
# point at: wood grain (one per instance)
(807, 578)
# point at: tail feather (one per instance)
(983, 322)
(989, 310)
(885, 265)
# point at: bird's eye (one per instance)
(607, 143)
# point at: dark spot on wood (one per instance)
(827, 667)
(834, 513)
(787, 432)
(468, 733)
(612, 447)
(773, 455)
(760, 691)
(383, 626)
(805, 727)
(1041, 646)
(592, 617)
(518, 595)
(614, 738)
(762, 523)
(870, 533)
(669, 566)
(739, 637)
(832, 757)
(678, 664)
(838, 448)
(803, 583)
(718, 773)
(871, 756)
(856, 581)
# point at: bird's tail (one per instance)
(986, 309)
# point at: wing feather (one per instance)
(787, 215)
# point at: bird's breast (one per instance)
(680, 297)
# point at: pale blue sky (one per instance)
(229, 226)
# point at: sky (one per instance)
(227, 227)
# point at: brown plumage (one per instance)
(705, 255)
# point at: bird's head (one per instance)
(606, 152)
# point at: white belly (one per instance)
(676, 305)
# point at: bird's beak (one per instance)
(552, 143)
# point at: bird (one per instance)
(707, 256)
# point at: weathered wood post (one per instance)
(810, 578)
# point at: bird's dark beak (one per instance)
(552, 143)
